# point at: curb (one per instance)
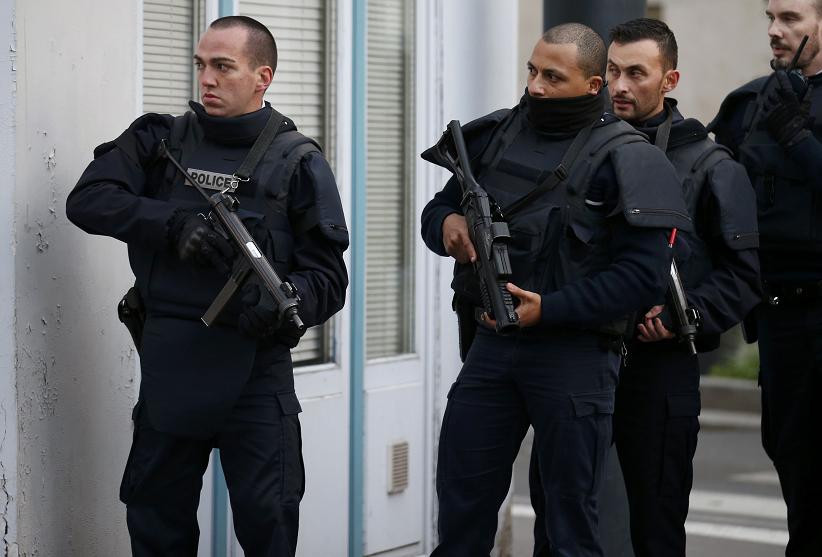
(730, 395)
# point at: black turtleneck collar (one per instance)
(563, 116)
(237, 130)
(683, 130)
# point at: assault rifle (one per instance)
(224, 217)
(489, 237)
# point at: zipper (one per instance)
(745, 235)
(659, 212)
(337, 227)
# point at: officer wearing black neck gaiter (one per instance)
(588, 247)
(657, 401)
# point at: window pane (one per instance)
(168, 44)
(389, 179)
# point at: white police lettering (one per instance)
(213, 180)
(252, 249)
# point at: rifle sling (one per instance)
(663, 132)
(261, 145)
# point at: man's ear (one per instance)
(264, 77)
(595, 84)
(670, 81)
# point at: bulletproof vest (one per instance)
(170, 285)
(788, 206)
(556, 238)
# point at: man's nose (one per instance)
(206, 78)
(617, 86)
(775, 30)
(536, 88)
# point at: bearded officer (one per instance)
(774, 126)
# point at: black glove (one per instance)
(196, 242)
(785, 115)
(261, 319)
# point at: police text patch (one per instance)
(213, 180)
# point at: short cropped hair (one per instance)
(591, 54)
(653, 29)
(260, 46)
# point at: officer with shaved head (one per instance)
(588, 247)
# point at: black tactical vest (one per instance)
(789, 206)
(692, 162)
(171, 286)
(557, 238)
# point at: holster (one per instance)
(466, 323)
(132, 314)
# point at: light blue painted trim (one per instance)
(357, 415)
(219, 515)
(226, 8)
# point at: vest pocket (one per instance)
(582, 250)
(785, 200)
(784, 208)
(523, 249)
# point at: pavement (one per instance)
(736, 507)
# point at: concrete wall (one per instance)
(77, 76)
(722, 44)
(8, 399)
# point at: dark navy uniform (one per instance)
(657, 400)
(788, 185)
(595, 249)
(205, 387)
(657, 404)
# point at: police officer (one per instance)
(587, 248)
(657, 401)
(774, 126)
(231, 385)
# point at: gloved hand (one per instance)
(260, 317)
(785, 114)
(196, 242)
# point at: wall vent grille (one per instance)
(397, 467)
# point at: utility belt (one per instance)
(793, 293)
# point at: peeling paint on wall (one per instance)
(8, 317)
(74, 386)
